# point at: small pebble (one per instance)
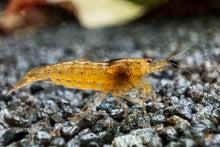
(36, 87)
(50, 107)
(187, 142)
(14, 134)
(69, 131)
(57, 118)
(148, 136)
(196, 92)
(169, 133)
(89, 139)
(173, 144)
(117, 114)
(15, 121)
(31, 115)
(179, 123)
(184, 111)
(107, 136)
(43, 124)
(42, 137)
(73, 143)
(127, 141)
(216, 114)
(157, 119)
(58, 141)
(197, 128)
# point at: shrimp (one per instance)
(117, 77)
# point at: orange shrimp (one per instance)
(116, 76)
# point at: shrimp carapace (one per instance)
(116, 76)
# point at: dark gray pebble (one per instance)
(187, 142)
(27, 141)
(36, 87)
(127, 140)
(208, 123)
(132, 118)
(197, 128)
(107, 124)
(50, 107)
(157, 119)
(43, 124)
(2, 105)
(59, 125)
(31, 115)
(117, 114)
(93, 144)
(186, 101)
(143, 122)
(69, 131)
(169, 133)
(174, 100)
(158, 106)
(182, 126)
(42, 114)
(184, 111)
(14, 134)
(42, 137)
(107, 136)
(58, 141)
(169, 111)
(148, 136)
(216, 114)
(173, 144)
(211, 96)
(196, 92)
(15, 121)
(57, 118)
(67, 109)
(92, 138)
(73, 143)
(208, 109)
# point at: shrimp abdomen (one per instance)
(79, 74)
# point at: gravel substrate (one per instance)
(187, 106)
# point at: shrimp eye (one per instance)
(149, 60)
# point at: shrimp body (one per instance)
(115, 76)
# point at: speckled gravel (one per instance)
(187, 106)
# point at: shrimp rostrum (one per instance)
(117, 77)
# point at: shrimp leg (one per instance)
(88, 103)
(88, 110)
(123, 105)
(137, 100)
(81, 115)
(147, 89)
(133, 100)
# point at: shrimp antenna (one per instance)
(174, 64)
(184, 69)
(170, 57)
(181, 52)
(178, 67)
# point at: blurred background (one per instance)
(40, 32)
